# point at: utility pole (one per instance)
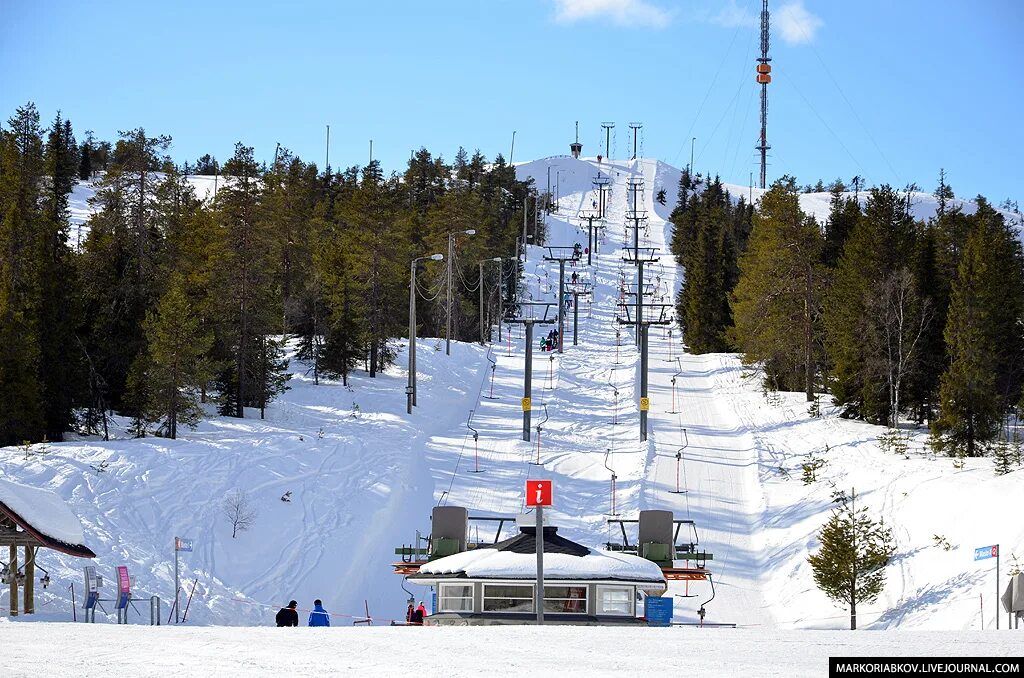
(481, 265)
(549, 187)
(371, 151)
(558, 189)
(526, 202)
(410, 389)
(764, 77)
(528, 324)
(513, 149)
(607, 127)
(635, 126)
(327, 158)
(556, 254)
(689, 168)
(448, 307)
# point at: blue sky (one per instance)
(891, 90)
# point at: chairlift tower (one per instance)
(528, 323)
(640, 256)
(643, 329)
(636, 127)
(561, 255)
(608, 127)
(601, 183)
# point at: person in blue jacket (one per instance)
(319, 616)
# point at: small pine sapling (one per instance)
(850, 565)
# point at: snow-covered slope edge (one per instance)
(355, 465)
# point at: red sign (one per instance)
(538, 493)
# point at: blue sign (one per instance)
(658, 611)
(182, 544)
(986, 552)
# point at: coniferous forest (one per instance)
(900, 320)
(173, 301)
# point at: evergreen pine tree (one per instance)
(707, 255)
(61, 370)
(983, 341)
(248, 306)
(178, 364)
(850, 565)
(22, 415)
(85, 162)
(845, 211)
(880, 243)
(778, 296)
(121, 272)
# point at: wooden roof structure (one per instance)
(16, 531)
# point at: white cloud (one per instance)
(731, 15)
(620, 12)
(796, 23)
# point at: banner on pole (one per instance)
(92, 584)
(124, 587)
(182, 544)
(986, 552)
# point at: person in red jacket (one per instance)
(418, 614)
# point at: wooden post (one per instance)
(14, 581)
(30, 577)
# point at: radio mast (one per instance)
(764, 77)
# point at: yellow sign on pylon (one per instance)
(526, 404)
(645, 404)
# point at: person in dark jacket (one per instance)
(288, 616)
(319, 616)
(409, 613)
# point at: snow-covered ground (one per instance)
(80, 210)
(457, 651)
(363, 484)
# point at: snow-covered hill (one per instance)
(363, 478)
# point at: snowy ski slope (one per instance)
(363, 481)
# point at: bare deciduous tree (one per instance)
(901, 317)
(240, 511)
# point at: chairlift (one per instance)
(607, 454)
(540, 427)
(493, 360)
(476, 444)
(679, 462)
(678, 374)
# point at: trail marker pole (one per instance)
(177, 585)
(984, 553)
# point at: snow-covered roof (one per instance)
(44, 514)
(509, 560)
